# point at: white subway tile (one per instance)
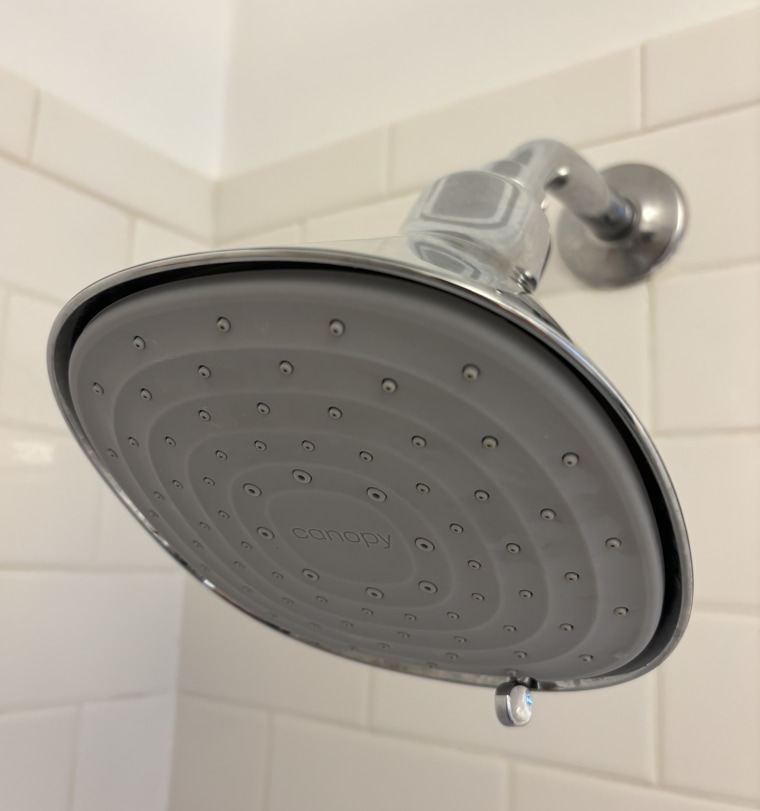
(36, 757)
(710, 708)
(717, 164)
(717, 479)
(318, 766)
(583, 103)
(17, 102)
(25, 392)
(156, 242)
(706, 335)
(702, 69)
(55, 240)
(80, 149)
(69, 637)
(226, 654)
(609, 730)
(612, 327)
(363, 222)
(286, 235)
(220, 758)
(51, 497)
(538, 789)
(123, 541)
(343, 174)
(124, 755)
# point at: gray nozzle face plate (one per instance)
(378, 468)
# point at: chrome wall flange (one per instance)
(659, 220)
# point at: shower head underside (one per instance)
(387, 450)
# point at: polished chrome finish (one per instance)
(618, 227)
(482, 237)
(484, 212)
(514, 704)
(550, 166)
(658, 225)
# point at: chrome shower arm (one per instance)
(617, 227)
(544, 165)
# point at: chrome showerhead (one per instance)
(387, 449)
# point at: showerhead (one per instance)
(387, 449)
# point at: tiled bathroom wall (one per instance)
(95, 640)
(266, 724)
(90, 607)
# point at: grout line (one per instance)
(651, 342)
(674, 124)
(659, 730)
(216, 240)
(511, 788)
(726, 609)
(169, 788)
(315, 214)
(5, 318)
(41, 706)
(74, 758)
(390, 156)
(369, 707)
(405, 189)
(682, 272)
(28, 153)
(386, 735)
(224, 107)
(279, 710)
(10, 423)
(297, 225)
(642, 83)
(19, 290)
(120, 206)
(658, 749)
(178, 637)
(266, 791)
(53, 567)
(666, 125)
(694, 118)
(32, 155)
(99, 523)
(708, 432)
(732, 803)
(131, 245)
(642, 76)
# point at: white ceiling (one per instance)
(153, 69)
(226, 85)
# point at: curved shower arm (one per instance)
(544, 165)
(618, 226)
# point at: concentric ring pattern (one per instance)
(378, 468)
